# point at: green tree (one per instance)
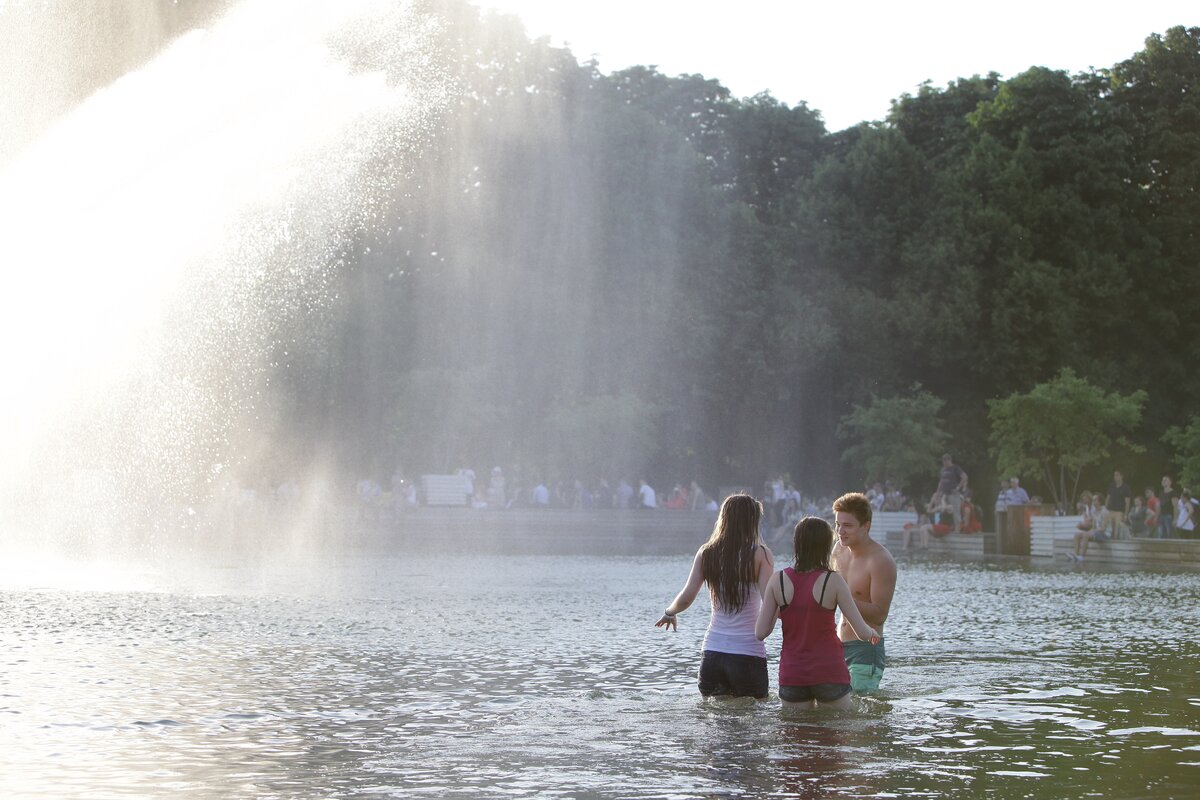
(1186, 442)
(445, 418)
(896, 438)
(1060, 427)
(602, 435)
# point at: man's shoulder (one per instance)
(870, 554)
(880, 554)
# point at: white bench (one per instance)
(885, 522)
(1043, 531)
(888, 528)
(444, 490)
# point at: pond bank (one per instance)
(661, 531)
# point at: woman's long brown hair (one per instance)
(813, 542)
(727, 561)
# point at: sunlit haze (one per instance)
(145, 223)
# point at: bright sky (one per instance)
(847, 60)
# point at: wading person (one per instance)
(869, 570)
(812, 664)
(736, 565)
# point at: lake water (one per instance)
(401, 667)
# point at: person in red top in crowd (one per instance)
(941, 515)
(812, 665)
(678, 498)
(971, 523)
(1151, 511)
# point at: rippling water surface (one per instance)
(397, 670)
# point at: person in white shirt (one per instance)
(736, 565)
(646, 495)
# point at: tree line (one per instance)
(589, 274)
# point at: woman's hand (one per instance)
(667, 620)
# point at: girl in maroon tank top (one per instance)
(812, 669)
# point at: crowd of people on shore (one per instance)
(1120, 513)
(1163, 512)
(502, 490)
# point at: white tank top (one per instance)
(730, 632)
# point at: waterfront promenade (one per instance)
(645, 532)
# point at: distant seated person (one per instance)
(1091, 528)
(1151, 503)
(971, 521)
(941, 515)
(894, 499)
(678, 498)
(922, 528)
(1138, 525)
(875, 496)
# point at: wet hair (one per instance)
(813, 542)
(855, 503)
(727, 558)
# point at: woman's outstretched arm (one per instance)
(686, 596)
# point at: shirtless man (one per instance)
(870, 571)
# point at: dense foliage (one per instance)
(593, 274)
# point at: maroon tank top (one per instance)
(812, 651)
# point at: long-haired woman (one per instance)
(812, 666)
(736, 565)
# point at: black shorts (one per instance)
(821, 692)
(733, 674)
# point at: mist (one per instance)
(255, 248)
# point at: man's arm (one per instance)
(962, 479)
(883, 587)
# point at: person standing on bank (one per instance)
(812, 663)
(736, 565)
(869, 570)
(1185, 515)
(1166, 509)
(1119, 497)
(951, 483)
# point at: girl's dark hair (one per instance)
(727, 558)
(813, 543)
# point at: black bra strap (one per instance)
(782, 595)
(821, 602)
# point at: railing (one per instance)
(1055, 536)
(444, 490)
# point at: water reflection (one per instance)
(449, 674)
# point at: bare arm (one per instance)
(686, 596)
(883, 586)
(849, 607)
(764, 563)
(768, 612)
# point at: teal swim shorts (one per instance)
(865, 662)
